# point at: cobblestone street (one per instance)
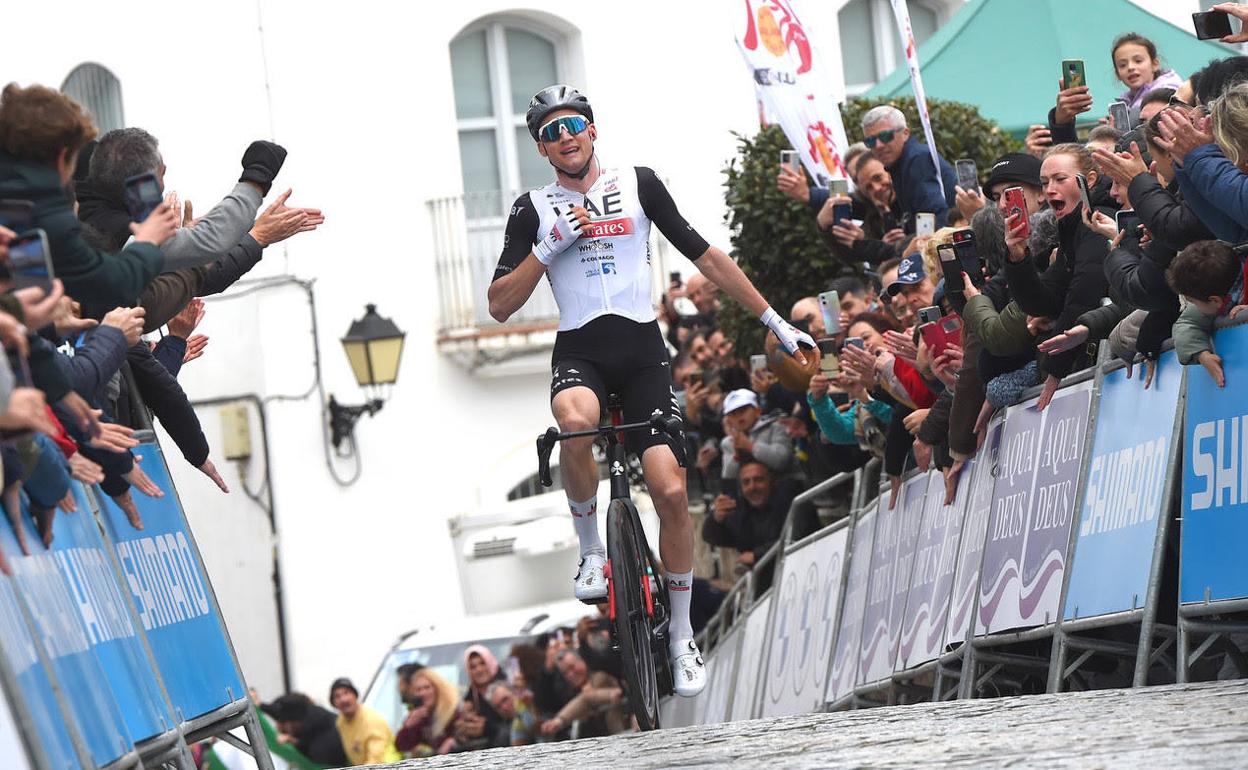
(1177, 726)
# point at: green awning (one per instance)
(1005, 56)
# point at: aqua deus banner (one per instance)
(843, 677)
(1033, 508)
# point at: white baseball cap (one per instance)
(738, 399)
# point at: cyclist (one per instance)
(588, 232)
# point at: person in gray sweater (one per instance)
(750, 434)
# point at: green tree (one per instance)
(775, 239)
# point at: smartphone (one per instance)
(789, 158)
(829, 362)
(143, 195)
(968, 255)
(17, 215)
(1121, 115)
(1072, 74)
(758, 362)
(842, 212)
(856, 342)
(941, 333)
(1082, 181)
(924, 224)
(1211, 25)
(968, 174)
(673, 278)
(929, 315)
(950, 266)
(1128, 222)
(30, 261)
(830, 305)
(838, 187)
(1015, 203)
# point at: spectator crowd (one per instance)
(102, 272)
(1129, 237)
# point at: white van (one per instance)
(441, 647)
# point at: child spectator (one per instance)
(1207, 274)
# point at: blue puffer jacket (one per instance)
(1216, 191)
(914, 181)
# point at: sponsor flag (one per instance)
(791, 86)
(901, 12)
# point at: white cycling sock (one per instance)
(585, 520)
(679, 591)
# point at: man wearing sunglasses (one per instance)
(588, 232)
(910, 164)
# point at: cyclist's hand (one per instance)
(790, 337)
(565, 230)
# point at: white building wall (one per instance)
(360, 94)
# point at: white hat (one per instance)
(739, 398)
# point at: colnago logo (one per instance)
(608, 228)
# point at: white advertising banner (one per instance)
(752, 646)
(721, 664)
(804, 623)
(792, 87)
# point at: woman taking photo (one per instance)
(1074, 282)
(428, 728)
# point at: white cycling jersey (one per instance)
(607, 270)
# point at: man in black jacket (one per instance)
(311, 729)
(752, 521)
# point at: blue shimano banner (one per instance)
(78, 548)
(1123, 502)
(167, 582)
(17, 645)
(56, 622)
(1215, 487)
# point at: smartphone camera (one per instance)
(929, 315)
(143, 194)
(1212, 25)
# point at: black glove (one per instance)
(261, 163)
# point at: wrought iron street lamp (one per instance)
(374, 346)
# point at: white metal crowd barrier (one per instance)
(1054, 566)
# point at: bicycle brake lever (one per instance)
(545, 443)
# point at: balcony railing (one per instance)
(467, 239)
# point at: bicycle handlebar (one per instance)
(670, 426)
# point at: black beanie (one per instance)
(342, 683)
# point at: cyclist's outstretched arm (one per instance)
(719, 268)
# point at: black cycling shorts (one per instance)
(614, 354)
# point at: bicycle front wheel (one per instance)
(626, 553)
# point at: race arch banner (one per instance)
(803, 625)
(1123, 510)
(843, 677)
(1033, 503)
(167, 582)
(1215, 485)
(790, 81)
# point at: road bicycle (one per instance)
(637, 604)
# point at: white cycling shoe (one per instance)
(688, 669)
(590, 582)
